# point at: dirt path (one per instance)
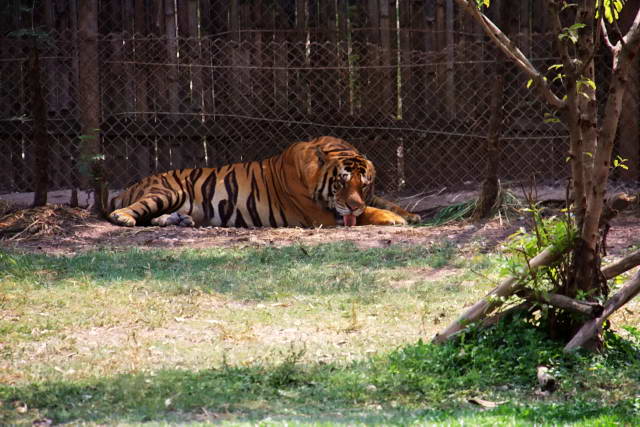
(66, 231)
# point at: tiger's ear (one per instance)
(322, 157)
(372, 168)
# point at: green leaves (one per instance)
(551, 118)
(481, 3)
(611, 8)
(619, 162)
(571, 33)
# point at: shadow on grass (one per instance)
(249, 273)
(418, 383)
(285, 393)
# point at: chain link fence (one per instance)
(159, 104)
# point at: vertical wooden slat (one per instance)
(10, 106)
(163, 147)
(24, 173)
(281, 48)
(8, 93)
(387, 82)
(524, 31)
(414, 87)
(197, 71)
(344, 77)
(207, 77)
(260, 75)
(373, 13)
(234, 21)
(128, 29)
(407, 85)
(6, 163)
(323, 84)
(450, 72)
(141, 70)
(184, 26)
(186, 50)
(170, 144)
(539, 17)
(172, 57)
(365, 58)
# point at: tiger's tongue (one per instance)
(349, 220)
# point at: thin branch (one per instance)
(633, 35)
(556, 24)
(511, 50)
(605, 35)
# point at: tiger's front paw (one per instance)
(122, 218)
(375, 216)
(391, 220)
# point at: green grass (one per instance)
(319, 335)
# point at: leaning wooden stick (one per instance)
(588, 308)
(593, 327)
(494, 299)
(625, 264)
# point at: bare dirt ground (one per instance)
(61, 230)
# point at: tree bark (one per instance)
(586, 256)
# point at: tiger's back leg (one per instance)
(380, 203)
(148, 207)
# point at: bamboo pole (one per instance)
(591, 329)
(625, 264)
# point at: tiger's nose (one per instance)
(354, 205)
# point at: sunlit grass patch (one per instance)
(303, 334)
(123, 310)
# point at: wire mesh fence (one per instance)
(165, 103)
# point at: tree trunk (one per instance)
(489, 190)
(89, 103)
(39, 116)
(588, 277)
(591, 142)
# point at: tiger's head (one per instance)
(345, 183)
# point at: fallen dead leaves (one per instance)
(49, 220)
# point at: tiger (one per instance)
(323, 182)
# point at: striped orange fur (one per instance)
(321, 182)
